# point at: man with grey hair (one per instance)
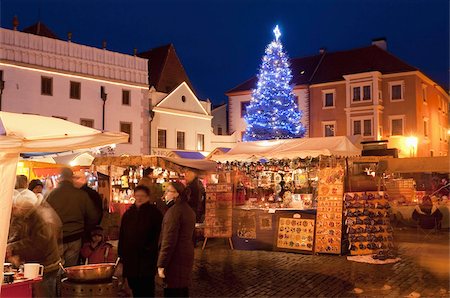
(76, 211)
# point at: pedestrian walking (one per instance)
(176, 256)
(75, 210)
(138, 243)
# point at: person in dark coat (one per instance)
(138, 243)
(176, 256)
(80, 181)
(196, 192)
(76, 211)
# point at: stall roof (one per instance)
(437, 164)
(291, 148)
(172, 163)
(188, 154)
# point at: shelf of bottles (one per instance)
(122, 186)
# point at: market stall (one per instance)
(278, 204)
(408, 180)
(31, 133)
(123, 173)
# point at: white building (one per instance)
(220, 120)
(180, 122)
(52, 77)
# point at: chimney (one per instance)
(69, 36)
(104, 44)
(135, 51)
(322, 50)
(15, 23)
(380, 42)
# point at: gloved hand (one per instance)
(161, 273)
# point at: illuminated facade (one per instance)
(364, 92)
(56, 78)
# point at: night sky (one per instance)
(221, 42)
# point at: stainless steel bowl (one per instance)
(90, 273)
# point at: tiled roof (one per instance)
(40, 29)
(331, 67)
(337, 64)
(165, 69)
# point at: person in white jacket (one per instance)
(21, 189)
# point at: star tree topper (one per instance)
(277, 32)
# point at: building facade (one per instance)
(51, 77)
(366, 92)
(220, 120)
(179, 122)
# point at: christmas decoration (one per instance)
(273, 112)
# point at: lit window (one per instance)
(200, 142)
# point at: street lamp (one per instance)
(411, 143)
(104, 97)
(2, 86)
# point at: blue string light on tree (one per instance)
(273, 112)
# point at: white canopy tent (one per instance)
(31, 133)
(290, 148)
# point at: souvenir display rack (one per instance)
(329, 210)
(295, 232)
(368, 224)
(219, 212)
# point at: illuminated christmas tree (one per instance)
(273, 112)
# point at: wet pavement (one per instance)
(423, 270)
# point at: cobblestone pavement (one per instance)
(221, 272)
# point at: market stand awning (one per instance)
(20, 133)
(171, 163)
(290, 148)
(437, 164)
